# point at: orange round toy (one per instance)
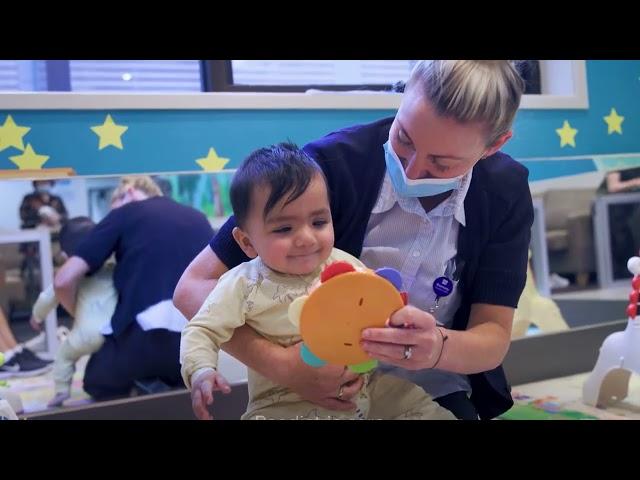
(332, 317)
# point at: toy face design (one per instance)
(334, 315)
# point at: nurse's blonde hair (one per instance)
(484, 91)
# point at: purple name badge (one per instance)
(442, 286)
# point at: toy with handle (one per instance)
(332, 317)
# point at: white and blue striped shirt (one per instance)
(422, 247)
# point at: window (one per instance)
(327, 73)
(135, 75)
(101, 75)
(22, 75)
(302, 75)
(9, 76)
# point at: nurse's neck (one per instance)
(429, 203)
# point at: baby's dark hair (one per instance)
(284, 167)
(74, 232)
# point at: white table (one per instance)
(43, 237)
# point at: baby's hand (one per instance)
(202, 388)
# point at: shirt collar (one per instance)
(454, 205)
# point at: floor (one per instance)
(35, 392)
(553, 399)
(561, 399)
(549, 399)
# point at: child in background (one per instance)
(96, 302)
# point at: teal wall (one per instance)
(172, 140)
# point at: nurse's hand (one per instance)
(415, 344)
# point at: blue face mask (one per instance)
(405, 187)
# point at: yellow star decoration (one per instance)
(212, 162)
(109, 133)
(614, 122)
(567, 134)
(29, 160)
(11, 134)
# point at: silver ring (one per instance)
(408, 351)
(340, 392)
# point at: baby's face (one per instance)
(295, 238)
